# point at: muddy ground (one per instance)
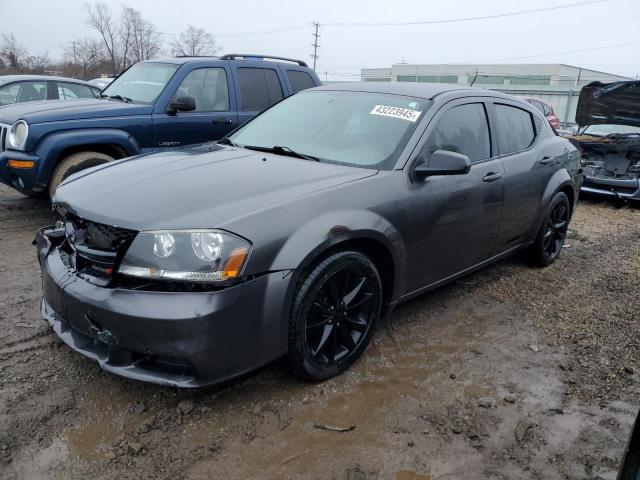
(510, 373)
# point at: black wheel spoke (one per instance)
(326, 334)
(351, 295)
(560, 225)
(357, 324)
(367, 297)
(346, 338)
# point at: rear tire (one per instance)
(75, 163)
(550, 239)
(335, 312)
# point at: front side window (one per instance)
(142, 83)
(208, 87)
(462, 129)
(516, 130)
(69, 91)
(259, 88)
(352, 128)
(299, 80)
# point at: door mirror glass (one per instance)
(182, 104)
(444, 162)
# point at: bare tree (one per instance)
(13, 54)
(138, 37)
(37, 63)
(126, 40)
(194, 42)
(84, 54)
(99, 18)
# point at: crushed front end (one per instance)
(156, 332)
(611, 164)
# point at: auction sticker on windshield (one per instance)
(396, 112)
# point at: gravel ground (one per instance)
(509, 373)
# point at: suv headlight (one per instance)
(213, 256)
(18, 133)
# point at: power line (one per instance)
(463, 19)
(557, 53)
(315, 44)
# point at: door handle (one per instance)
(546, 160)
(492, 177)
(222, 121)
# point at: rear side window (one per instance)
(260, 88)
(546, 109)
(23, 92)
(462, 129)
(68, 91)
(515, 129)
(299, 80)
(208, 87)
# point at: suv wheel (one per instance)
(74, 163)
(550, 239)
(334, 315)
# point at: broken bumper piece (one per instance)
(180, 339)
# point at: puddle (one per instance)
(409, 475)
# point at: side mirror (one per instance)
(444, 162)
(182, 104)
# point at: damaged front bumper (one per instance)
(181, 339)
(628, 188)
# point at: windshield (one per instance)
(142, 83)
(607, 129)
(352, 128)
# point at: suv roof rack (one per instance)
(233, 56)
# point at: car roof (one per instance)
(412, 89)
(180, 60)
(44, 78)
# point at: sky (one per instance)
(602, 36)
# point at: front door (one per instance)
(213, 118)
(455, 219)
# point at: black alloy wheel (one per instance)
(550, 239)
(335, 313)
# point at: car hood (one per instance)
(614, 103)
(60, 110)
(187, 188)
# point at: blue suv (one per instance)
(154, 105)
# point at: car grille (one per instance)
(94, 249)
(4, 130)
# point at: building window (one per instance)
(377, 79)
(488, 79)
(407, 78)
(438, 78)
(530, 80)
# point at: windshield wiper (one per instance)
(117, 97)
(282, 150)
(226, 141)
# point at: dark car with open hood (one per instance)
(608, 116)
(295, 233)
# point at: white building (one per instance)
(555, 83)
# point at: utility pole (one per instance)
(315, 44)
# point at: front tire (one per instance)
(550, 239)
(335, 312)
(74, 163)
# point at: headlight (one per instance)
(186, 255)
(18, 134)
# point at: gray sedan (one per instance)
(297, 232)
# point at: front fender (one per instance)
(52, 145)
(325, 231)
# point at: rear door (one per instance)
(455, 219)
(258, 88)
(528, 168)
(213, 118)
